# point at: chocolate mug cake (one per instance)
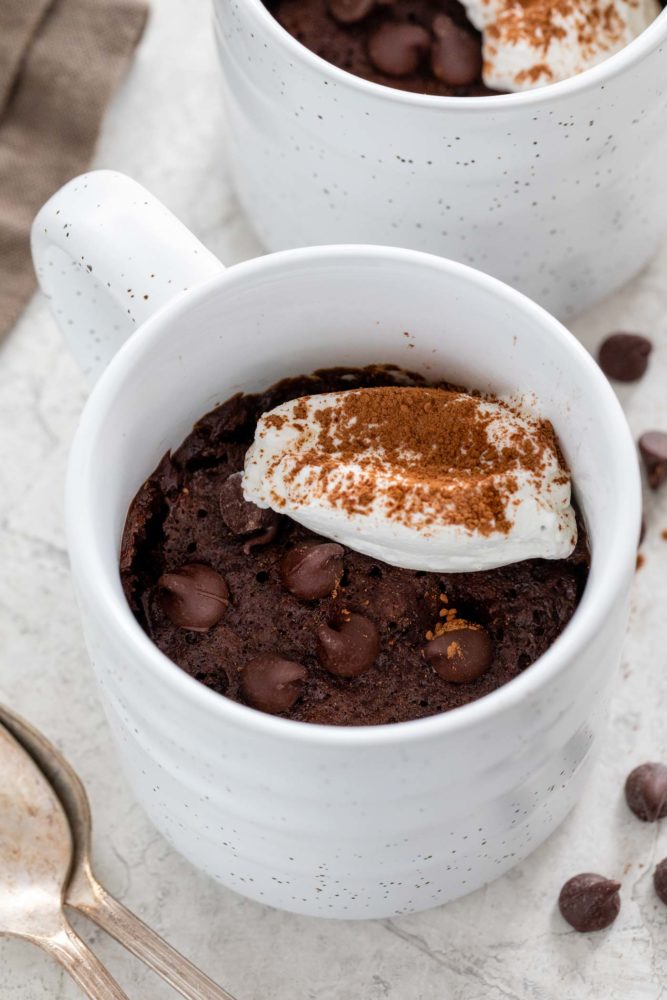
(470, 48)
(356, 547)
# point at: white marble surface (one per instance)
(506, 941)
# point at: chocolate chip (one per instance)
(312, 571)
(350, 11)
(271, 683)
(461, 655)
(646, 791)
(590, 902)
(241, 516)
(398, 49)
(349, 649)
(660, 880)
(194, 597)
(653, 449)
(624, 356)
(263, 538)
(456, 54)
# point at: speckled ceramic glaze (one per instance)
(558, 191)
(344, 822)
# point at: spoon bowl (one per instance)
(82, 890)
(36, 853)
(35, 846)
(70, 792)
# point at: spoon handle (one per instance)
(147, 945)
(83, 966)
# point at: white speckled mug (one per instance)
(559, 191)
(344, 822)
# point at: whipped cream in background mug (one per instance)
(529, 43)
(558, 190)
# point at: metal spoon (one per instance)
(84, 893)
(35, 860)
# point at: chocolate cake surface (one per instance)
(448, 60)
(187, 515)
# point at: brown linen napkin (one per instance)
(60, 62)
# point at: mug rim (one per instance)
(596, 75)
(107, 605)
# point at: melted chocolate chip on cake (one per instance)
(271, 615)
(424, 46)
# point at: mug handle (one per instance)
(108, 255)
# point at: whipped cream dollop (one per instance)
(529, 43)
(419, 477)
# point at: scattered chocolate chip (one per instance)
(646, 791)
(624, 356)
(350, 11)
(398, 49)
(312, 571)
(272, 683)
(461, 655)
(456, 54)
(241, 516)
(590, 902)
(653, 449)
(349, 649)
(660, 880)
(194, 597)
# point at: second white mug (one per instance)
(558, 191)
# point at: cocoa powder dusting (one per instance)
(597, 26)
(541, 21)
(425, 453)
(450, 620)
